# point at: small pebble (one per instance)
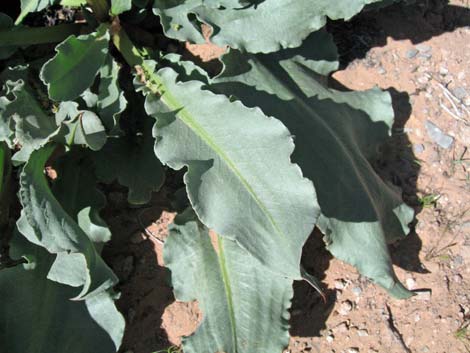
(410, 54)
(423, 79)
(340, 284)
(330, 338)
(423, 48)
(458, 260)
(418, 148)
(341, 328)
(410, 283)
(426, 56)
(424, 295)
(345, 308)
(362, 333)
(443, 71)
(438, 136)
(357, 290)
(381, 70)
(353, 350)
(458, 278)
(460, 93)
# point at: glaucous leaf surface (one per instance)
(22, 116)
(37, 315)
(79, 127)
(240, 178)
(245, 307)
(45, 223)
(336, 135)
(107, 100)
(252, 26)
(73, 69)
(110, 101)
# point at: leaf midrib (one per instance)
(186, 117)
(228, 291)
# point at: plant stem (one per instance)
(125, 46)
(38, 35)
(100, 9)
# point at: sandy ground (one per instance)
(421, 54)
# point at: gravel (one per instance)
(410, 54)
(438, 136)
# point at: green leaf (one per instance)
(111, 101)
(5, 24)
(37, 315)
(45, 223)
(240, 179)
(74, 67)
(120, 6)
(336, 135)
(32, 127)
(131, 161)
(273, 24)
(28, 6)
(245, 307)
(80, 127)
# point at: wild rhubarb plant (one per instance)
(268, 150)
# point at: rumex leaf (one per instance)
(34, 304)
(261, 26)
(240, 179)
(44, 222)
(337, 135)
(74, 67)
(245, 307)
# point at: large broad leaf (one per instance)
(240, 179)
(336, 134)
(37, 315)
(74, 67)
(245, 307)
(44, 222)
(24, 115)
(132, 162)
(253, 26)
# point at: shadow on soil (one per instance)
(417, 22)
(397, 165)
(144, 285)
